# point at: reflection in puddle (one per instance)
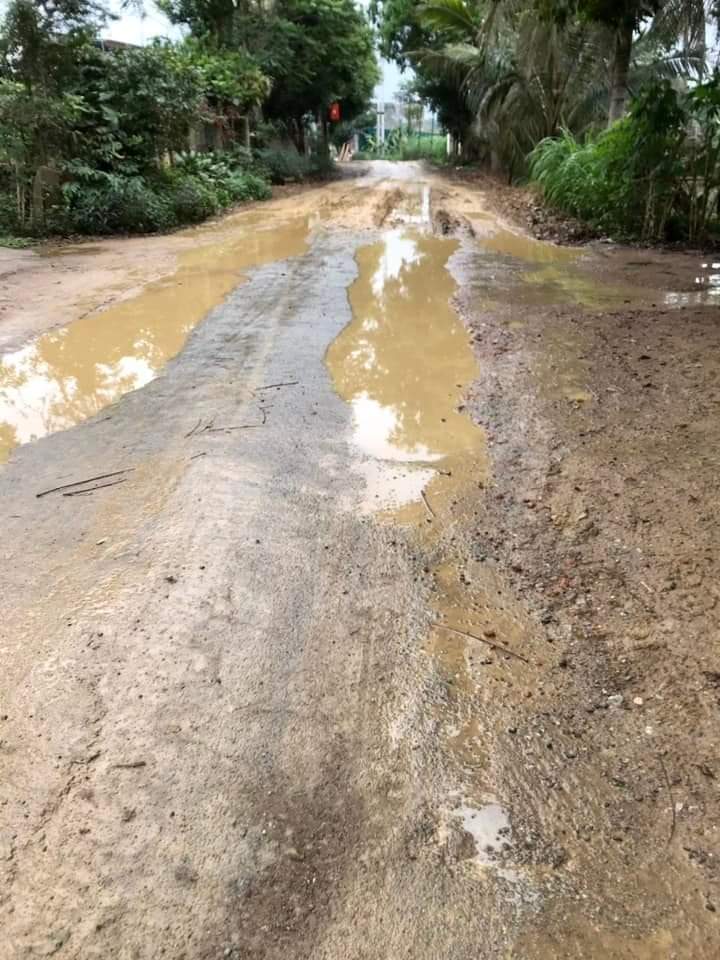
(70, 374)
(526, 248)
(403, 363)
(573, 287)
(709, 277)
(489, 826)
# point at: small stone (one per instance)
(616, 699)
(638, 701)
(99, 543)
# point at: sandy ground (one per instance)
(395, 634)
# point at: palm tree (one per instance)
(527, 72)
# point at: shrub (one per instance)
(247, 186)
(115, 205)
(193, 199)
(654, 174)
(284, 164)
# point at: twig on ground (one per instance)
(427, 504)
(490, 643)
(196, 455)
(673, 822)
(283, 383)
(191, 432)
(99, 486)
(240, 426)
(131, 765)
(79, 483)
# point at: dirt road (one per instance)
(359, 579)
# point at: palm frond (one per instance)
(452, 16)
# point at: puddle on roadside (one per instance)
(403, 364)
(709, 278)
(70, 374)
(416, 207)
(489, 826)
(706, 292)
(525, 248)
(573, 287)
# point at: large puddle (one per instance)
(403, 364)
(71, 374)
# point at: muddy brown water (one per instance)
(68, 375)
(403, 364)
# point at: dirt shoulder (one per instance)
(601, 515)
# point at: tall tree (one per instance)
(314, 51)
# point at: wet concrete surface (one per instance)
(262, 696)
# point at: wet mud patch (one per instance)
(540, 721)
(292, 865)
(600, 429)
(404, 364)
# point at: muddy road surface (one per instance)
(359, 590)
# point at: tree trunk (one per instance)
(619, 73)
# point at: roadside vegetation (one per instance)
(400, 145)
(611, 108)
(97, 137)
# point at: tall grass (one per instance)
(655, 175)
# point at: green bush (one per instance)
(321, 166)
(9, 223)
(284, 164)
(116, 205)
(653, 175)
(248, 186)
(198, 186)
(193, 199)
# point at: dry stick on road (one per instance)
(79, 483)
(241, 426)
(283, 383)
(427, 504)
(673, 823)
(471, 636)
(99, 486)
(191, 432)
